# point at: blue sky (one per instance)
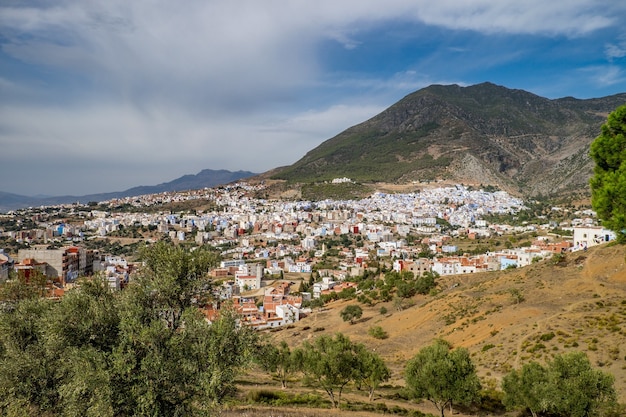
(104, 95)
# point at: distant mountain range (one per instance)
(205, 178)
(482, 134)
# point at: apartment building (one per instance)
(65, 264)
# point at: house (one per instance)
(586, 236)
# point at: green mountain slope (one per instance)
(482, 134)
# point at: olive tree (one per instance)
(147, 350)
(277, 359)
(351, 313)
(442, 375)
(370, 371)
(329, 362)
(567, 386)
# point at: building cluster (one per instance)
(259, 237)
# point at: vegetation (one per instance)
(351, 313)
(608, 184)
(442, 376)
(145, 351)
(279, 360)
(334, 362)
(565, 387)
(368, 156)
(342, 191)
(377, 332)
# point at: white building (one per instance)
(586, 236)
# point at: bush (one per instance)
(383, 310)
(377, 332)
(263, 396)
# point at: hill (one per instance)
(575, 304)
(205, 178)
(482, 134)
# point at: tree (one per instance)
(147, 350)
(351, 313)
(169, 360)
(371, 370)
(608, 184)
(278, 360)
(330, 362)
(567, 387)
(442, 376)
(527, 388)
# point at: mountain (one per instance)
(205, 178)
(482, 134)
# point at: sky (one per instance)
(104, 95)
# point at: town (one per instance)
(280, 258)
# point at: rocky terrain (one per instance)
(482, 134)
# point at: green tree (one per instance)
(442, 376)
(169, 360)
(147, 350)
(370, 371)
(528, 388)
(608, 184)
(330, 363)
(426, 282)
(28, 375)
(405, 289)
(567, 386)
(278, 360)
(351, 313)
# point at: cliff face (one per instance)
(483, 134)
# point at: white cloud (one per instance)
(616, 50)
(164, 86)
(123, 144)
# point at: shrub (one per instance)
(377, 332)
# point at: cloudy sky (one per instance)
(104, 95)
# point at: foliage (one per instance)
(367, 156)
(516, 295)
(144, 351)
(341, 191)
(608, 184)
(278, 360)
(334, 362)
(370, 370)
(351, 313)
(377, 332)
(567, 386)
(442, 376)
(18, 287)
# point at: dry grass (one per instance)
(579, 304)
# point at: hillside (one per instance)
(482, 134)
(205, 178)
(578, 304)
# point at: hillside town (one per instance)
(278, 257)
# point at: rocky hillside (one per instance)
(482, 134)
